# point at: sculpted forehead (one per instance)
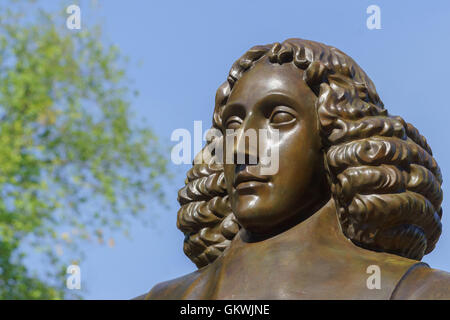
(265, 78)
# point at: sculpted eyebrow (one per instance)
(233, 109)
(272, 100)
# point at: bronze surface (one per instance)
(356, 187)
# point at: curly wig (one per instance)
(383, 179)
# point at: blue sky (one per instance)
(181, 51)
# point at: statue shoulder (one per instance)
(423, 282)
(173, 289)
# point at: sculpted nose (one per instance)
(246, 144)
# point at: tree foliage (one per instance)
(73, 161)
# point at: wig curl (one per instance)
(384, 181)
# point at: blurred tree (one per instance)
(73, 163)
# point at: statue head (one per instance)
(336, 141)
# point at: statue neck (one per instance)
(322, 225)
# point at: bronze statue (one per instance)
(356, 187)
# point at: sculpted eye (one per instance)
(233, 123)
(280, 116)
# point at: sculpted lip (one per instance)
(245, 179)
(248, 185)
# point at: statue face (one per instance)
(275, 97)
